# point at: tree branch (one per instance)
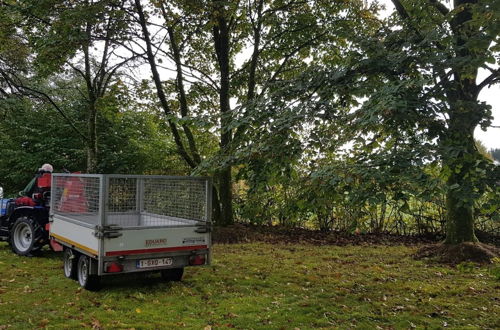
(287, 58)
(159, 88)
(181, 91)
(440, 7)
(488, 81)
(101, 72)
(41, 95)
(400, 9)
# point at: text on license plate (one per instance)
(147, 263)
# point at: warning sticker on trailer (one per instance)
(193, 240)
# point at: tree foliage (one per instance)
(132, 139)
(202, 43)
(412, 101)
(306, 113)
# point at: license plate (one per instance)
(149, 263)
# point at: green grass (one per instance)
(258, 286)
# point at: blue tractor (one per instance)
(23, 220)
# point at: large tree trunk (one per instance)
(92, 138)
(460, 217)
(92, 110)
(216, 211)
(226, 197)
(460, 148)
(460, 183)
(222, 41)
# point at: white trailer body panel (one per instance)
(75, 235)
(142, 241)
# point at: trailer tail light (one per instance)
(198, 259)
(113, 267)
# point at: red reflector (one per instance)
(113, 267)
(56, 247)
(197, 260)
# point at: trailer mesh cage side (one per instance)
(132, 201)
(76, 196)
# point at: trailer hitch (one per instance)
(108, 231)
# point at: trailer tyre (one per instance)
(26, 237)
(70, 260)
(87, 281)
(172, 274)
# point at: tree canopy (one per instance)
(306, 113)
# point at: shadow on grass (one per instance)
(134, 282)
(45, 253)
(49, 254)
(146, 282)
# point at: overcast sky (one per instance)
(490, 138)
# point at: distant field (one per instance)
(258, 285)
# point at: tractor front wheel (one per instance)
(26, 237)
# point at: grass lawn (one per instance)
(258, 285)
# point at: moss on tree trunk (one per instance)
(460, 160)
(459, 220)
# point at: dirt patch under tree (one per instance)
(450, 254)
(454, 254)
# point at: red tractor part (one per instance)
(73, 198)
(56, 247)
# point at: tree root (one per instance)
(456, 253)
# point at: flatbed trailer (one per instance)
(111, 224)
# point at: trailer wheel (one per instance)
(26, 237)
(70, 260)
(172, 274)
(87, 280)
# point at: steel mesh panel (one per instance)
(123, 202)
(131, 201)
(77, 197)
(184, 199)
(156, 201)
(122, 195)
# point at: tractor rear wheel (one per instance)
(26, 237)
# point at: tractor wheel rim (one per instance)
(23, 236)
